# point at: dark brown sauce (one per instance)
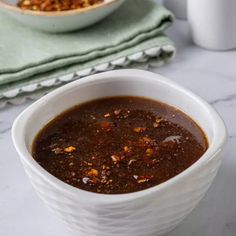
(119, 145)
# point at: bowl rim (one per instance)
(218, 141)
(14, 8)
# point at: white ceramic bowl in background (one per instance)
(63, 21)
(150, 212)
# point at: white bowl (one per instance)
(63, 21)
(150, 212)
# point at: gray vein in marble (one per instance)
(229, 98)
(5, 130)
(230, 229)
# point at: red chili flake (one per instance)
(144, 141)
(115, 158)
(139, 129)
(149, 151)
(88, 163)
(108, 172)
(157, 122)
(131, 161)
(57, 150)
(69, 149)
(117, 112)
(140, 181)
(159, 119)
(144, 179)
(92, 173)
(103, 180)
(168, 145)
(107, 115)
(105, 124)
(126, 149)
(155, 125)
(105, 167)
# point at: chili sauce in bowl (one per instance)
(119, 144)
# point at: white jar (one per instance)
(212, 23)
(178, 7)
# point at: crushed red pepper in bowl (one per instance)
(56, 5)
(119, 145)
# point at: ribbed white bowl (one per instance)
(150, 212)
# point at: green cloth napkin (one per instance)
(32, 61)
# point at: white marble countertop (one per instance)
(209, 74)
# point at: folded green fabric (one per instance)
(31, 60)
